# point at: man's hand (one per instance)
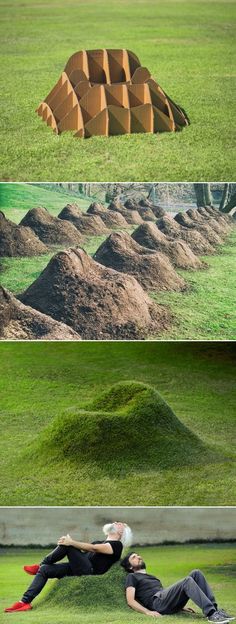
(65, 540)
(154, 614)
(188, 610)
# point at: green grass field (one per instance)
(43, 381)
(189, 47)
(170, 563)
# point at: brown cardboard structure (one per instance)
(107, 92)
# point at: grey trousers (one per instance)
(175, 597)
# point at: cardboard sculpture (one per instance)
(107, 92)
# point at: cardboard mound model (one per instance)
(97, 302)
(51, 230)
(17, 240)
(86, 224)
(20, 322)
(183, 219)
(152, 269)
(132, 217)
(196, 241)
(110, 218)
(107, 92)
(115, 422)
(178, 252)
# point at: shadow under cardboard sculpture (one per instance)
(107, 92)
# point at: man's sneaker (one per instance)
(217, 618)
(226, 615)
(19, 606)
(33, 569)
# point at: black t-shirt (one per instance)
(145, 586)
(101, 562)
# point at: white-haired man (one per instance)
(83, 559)
(146, 594)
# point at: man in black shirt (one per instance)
(83, 559)
(146, 594)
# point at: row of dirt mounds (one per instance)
(196, 241)
(132, 217)
(152, 269)
(86, 224)
(110, 218)
(20, 322)
(114, 423)
(17, 240)
(97, 302)
(51, 230)
(178, 252)
(204, 228)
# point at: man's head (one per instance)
(133, 563)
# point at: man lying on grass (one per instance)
(145, 593)
(83, 559)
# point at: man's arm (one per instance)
(130, 597)
(66, 540)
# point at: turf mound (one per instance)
(129, 420)
(205, 229)
(20, 322)
(97, 302)
(51, 230)
(111, 219)
(131, 216)
(17, 240)
(220, 228)
(196, 241)
(104, 592)
(152, 269)
(86, 224)
(178, 252)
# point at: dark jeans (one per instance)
(175, 597)
(78, 564)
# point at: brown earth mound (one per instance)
(17, 240)
(178, 252)
(153, 270)
(220, 218)
(144, 211)
(131, 216)
(158, 211)
(66, 211)
(196, 241)
(110, 218)
(20, 322)
(51, 230)
(183, 219)
(99, 303)
(86, 224)
(214, 212)
(221, 228)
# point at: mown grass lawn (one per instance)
(40, 381)
(170, 563)
(189, 48)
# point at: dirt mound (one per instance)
(86, 224)
(144, 211)
(110, 218)
(68, 209)
(20, 322)
(222, 223)
(17, 240)
(196, 241)
(131, 216)
(183, 219)
(158, 211)
(220, 228)
(217, 214)
(97, 302)
(178, 252)
(115, 423)
(153, 270)
(51, 230)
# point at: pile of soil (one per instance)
(178, 252)
(144, 211)
(20, 322)
(220, 228)
(157, 210)
(131, 216)
(111, 219)
(66, 211)
(219, 217)
(196, 241)
(152, 269)
(86, 224)
(51, 230)
(183, 219)
(17, 240)
(217, 214)
(97, 302)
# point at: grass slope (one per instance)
(187, 46)
(42, 381)
(17, 199)
(102, 599)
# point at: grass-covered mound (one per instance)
(129, 425)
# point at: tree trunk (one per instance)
(225, 197)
